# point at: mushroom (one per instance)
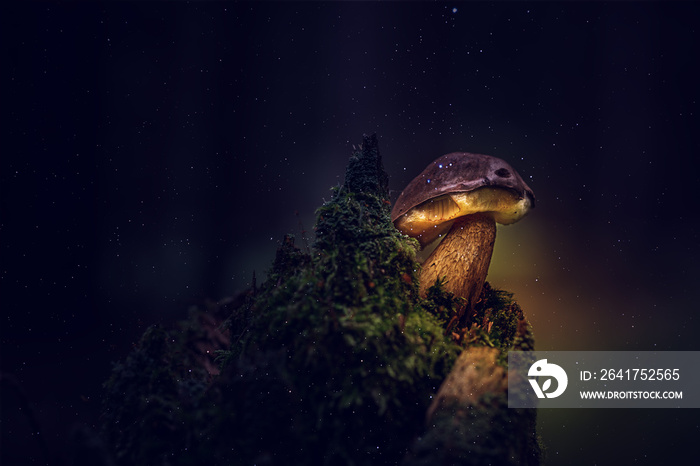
(461, 196)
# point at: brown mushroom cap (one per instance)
(459, 184)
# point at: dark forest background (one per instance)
(155, 153)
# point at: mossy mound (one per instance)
(334, 359)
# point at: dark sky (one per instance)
(154, 154)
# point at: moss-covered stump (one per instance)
(334, 359)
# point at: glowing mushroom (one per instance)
(460, 196)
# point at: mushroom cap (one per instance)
(458, 184)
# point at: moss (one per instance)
(144, 399)
(349, 325)
(333, 359)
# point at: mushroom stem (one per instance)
(463, 258)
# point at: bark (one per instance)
(474, 376)
(469, 422)
(463, 258)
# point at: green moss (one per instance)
(351, 328)
(333, 359)
(147, 400)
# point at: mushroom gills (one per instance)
(430, 220)
(433, 219)
(505, 205)
(441, 208)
